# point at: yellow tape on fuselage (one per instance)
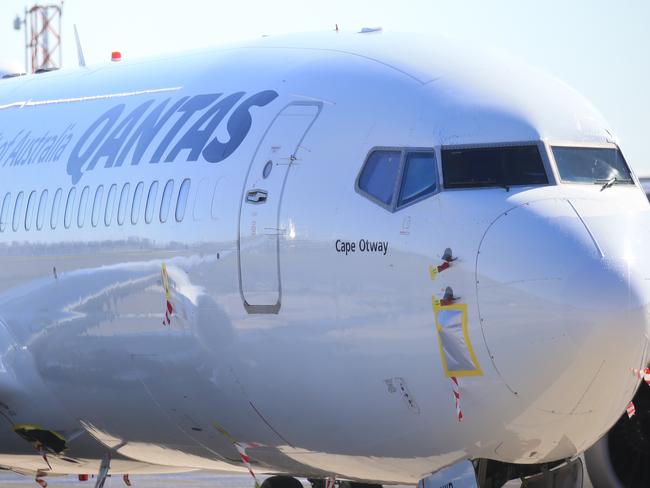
(470, 357)
(165, 282)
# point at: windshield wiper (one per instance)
(501, 182)
(607, 183)
(611, 182)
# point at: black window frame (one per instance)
(540, 145)
(394, 206)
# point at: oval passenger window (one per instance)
(181, 203)
(166, 200)
(40, 215)
(151, 202)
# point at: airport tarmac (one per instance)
(190, 480)
(199, 479)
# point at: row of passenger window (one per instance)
(108, 206)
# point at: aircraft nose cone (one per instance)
(564, 316)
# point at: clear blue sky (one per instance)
(602, 48)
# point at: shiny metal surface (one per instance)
(133, 339)
(195, 480)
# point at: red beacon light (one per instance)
(116, 56)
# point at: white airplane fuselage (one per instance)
(300, 312)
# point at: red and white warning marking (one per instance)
(44, 456)
(169, 309)
(250, 445)
(630, 410)
(435, 270)
(241, 448)
(456, 389)
(330, 482)
(445, 265)
(642, 374)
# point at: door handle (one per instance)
(256, 196)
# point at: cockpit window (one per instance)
(419, 177)
(379, 175)
(493, 166)
(598, 165)
(397, 177)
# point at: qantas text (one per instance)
(118, 136)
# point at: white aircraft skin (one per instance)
(7, 68)
(555, 277)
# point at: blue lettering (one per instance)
(113, 139)
(189, 108)
(113, 143)
(147, 130)
(62, 144)
(47, 150)
(82, 151)
(198, 135)
(9, 145)
(238, 126)
(14, 156)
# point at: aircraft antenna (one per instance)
(80, 51)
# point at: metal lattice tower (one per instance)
(43, 34)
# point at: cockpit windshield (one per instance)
(483, 167)
(595, 165)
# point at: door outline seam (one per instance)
(270, 309)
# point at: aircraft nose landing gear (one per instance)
(281, 482)
(291, 482)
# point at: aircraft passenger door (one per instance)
(259, 225)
